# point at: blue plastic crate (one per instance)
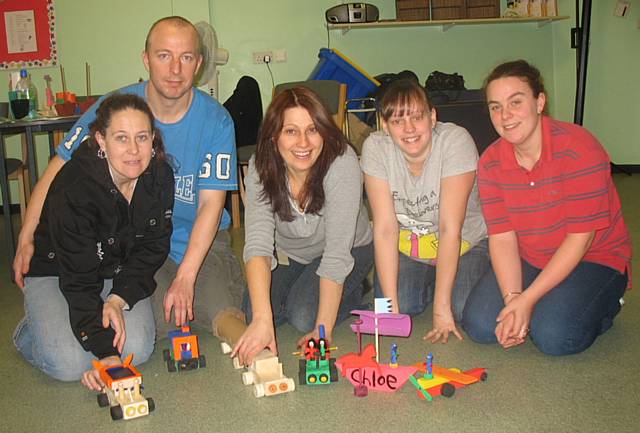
(334, 65)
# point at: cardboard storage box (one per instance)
(412, 10)
(448, 9)
(483, 9)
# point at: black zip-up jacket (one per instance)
(88, 233)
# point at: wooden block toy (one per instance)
(317, 367)
(122, 390)
(185, 351)
(444, 381)
(363, 370)
(265, 372)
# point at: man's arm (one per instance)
(25, 249)
(180, 294)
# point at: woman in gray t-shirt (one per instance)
(308, 242)
(429, 234)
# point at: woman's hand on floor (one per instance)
(443, 325)
(258, 335)
(91, 378)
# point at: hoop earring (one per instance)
(101, 153)
(153, 152)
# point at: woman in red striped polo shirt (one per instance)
(560, 251)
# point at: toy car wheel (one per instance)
(151, 404)
(166, 354)
(103, 400)
(202, 361)
(312, 378)
(225, 348)
(483, 376)
(258, 390)
(324, 378)
(333, 370)
(447, 390)
(302, 376)
(171, 366)
(116, 413)
(247, 377)
(236, 363)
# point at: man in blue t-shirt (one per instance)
(198, 280)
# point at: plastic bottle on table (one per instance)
(26, 90)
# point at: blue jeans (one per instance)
(45, 339)
(295, 291)
(417, 281)
(565, 321)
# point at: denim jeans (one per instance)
(295, 291)
(44, 336)
(417, 281)
(566, 320)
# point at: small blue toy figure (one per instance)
(394, 355)
(429, 366)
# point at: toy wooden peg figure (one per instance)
(394, 355)
(429, 367)
(310, 349)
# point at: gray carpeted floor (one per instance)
(596, 391)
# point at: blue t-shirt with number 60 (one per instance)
(201, 149)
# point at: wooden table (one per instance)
(29, 128)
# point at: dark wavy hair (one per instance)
(519, 69)
(115, 103)
(400, 96)
(272, 169)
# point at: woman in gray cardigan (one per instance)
(308, 243)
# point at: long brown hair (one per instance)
(271, 168)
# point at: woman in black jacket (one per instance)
(104, 231)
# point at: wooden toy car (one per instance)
(317, 367)
(265, 373)
(444, 381)
(185, 352)
(122, 390)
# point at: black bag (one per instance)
(441, 81)
(245, 108)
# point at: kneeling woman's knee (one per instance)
(304, 321)
(67, 365)
(479, 327)
(559, 342)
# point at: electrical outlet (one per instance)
(280, 56)
(258, 56)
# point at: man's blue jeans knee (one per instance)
(45, 339)
(295, 291)
(566, 320)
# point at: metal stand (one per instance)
(580, 41)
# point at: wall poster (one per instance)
(27, 34)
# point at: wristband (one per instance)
(510, 294)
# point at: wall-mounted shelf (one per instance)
(446, 24)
